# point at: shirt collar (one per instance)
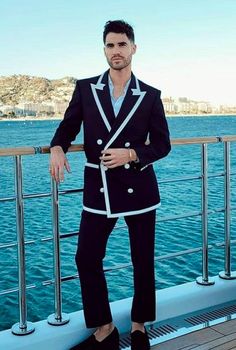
(111, 85)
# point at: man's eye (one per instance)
(109, 46)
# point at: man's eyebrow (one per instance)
(122, 43)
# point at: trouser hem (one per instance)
(98, 323)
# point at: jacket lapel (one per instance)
(102, 98)
(132, 100)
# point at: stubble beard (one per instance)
(119, 66)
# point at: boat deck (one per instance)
(221, 336)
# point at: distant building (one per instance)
(11, 110)
(57, 107)
(227, 109)
(35, 109)
(169, 105)
(60, 107)
(185, 106)
(28, 108)
(204, 107)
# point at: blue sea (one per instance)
(178, 198)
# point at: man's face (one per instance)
(118, 50)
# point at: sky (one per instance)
(184, 47)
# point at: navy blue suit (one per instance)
(130, 190)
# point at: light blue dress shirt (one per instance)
(117, 103)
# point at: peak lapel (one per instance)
(102, 98)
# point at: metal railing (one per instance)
(24, 327)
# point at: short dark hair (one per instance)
(118, 26)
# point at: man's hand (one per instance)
(58, 161)
(114, 157)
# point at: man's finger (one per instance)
(61, 174)
(110, 162)
(52, 172)
(111, 166)
(67, 166)
(56, 175)
(106, 151)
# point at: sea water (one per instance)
(172, 236)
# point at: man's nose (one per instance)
(116, 50)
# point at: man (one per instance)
(125, 131)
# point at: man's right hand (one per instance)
(58, 161)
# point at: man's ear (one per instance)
(134, 48)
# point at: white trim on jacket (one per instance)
(108, 212)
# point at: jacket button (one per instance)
(102, 189)
(130, 190)
(99, 141)
(127, 166)
(127, 144)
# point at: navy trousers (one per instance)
(93, 235)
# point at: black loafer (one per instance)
(111, 342)
(139, 340)
(87, 344)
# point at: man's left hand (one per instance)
(114, 157)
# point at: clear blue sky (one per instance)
(185, 47)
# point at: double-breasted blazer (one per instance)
(132, 188)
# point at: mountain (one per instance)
(16, 89)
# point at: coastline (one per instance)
(28, 118)
(202, 115)
(32, 118)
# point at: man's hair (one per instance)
(118, 26)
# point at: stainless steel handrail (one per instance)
(22, 327)
(204, 279)
(79, 147)
(227, 274)
(58, 316)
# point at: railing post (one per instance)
(227, 274)
(22, 327)
(204, 279)
(58, 318)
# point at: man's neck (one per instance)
(120, 77)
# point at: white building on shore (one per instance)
(172, 106)
(183, 105)
(34, 109)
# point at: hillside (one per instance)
(16, 89)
